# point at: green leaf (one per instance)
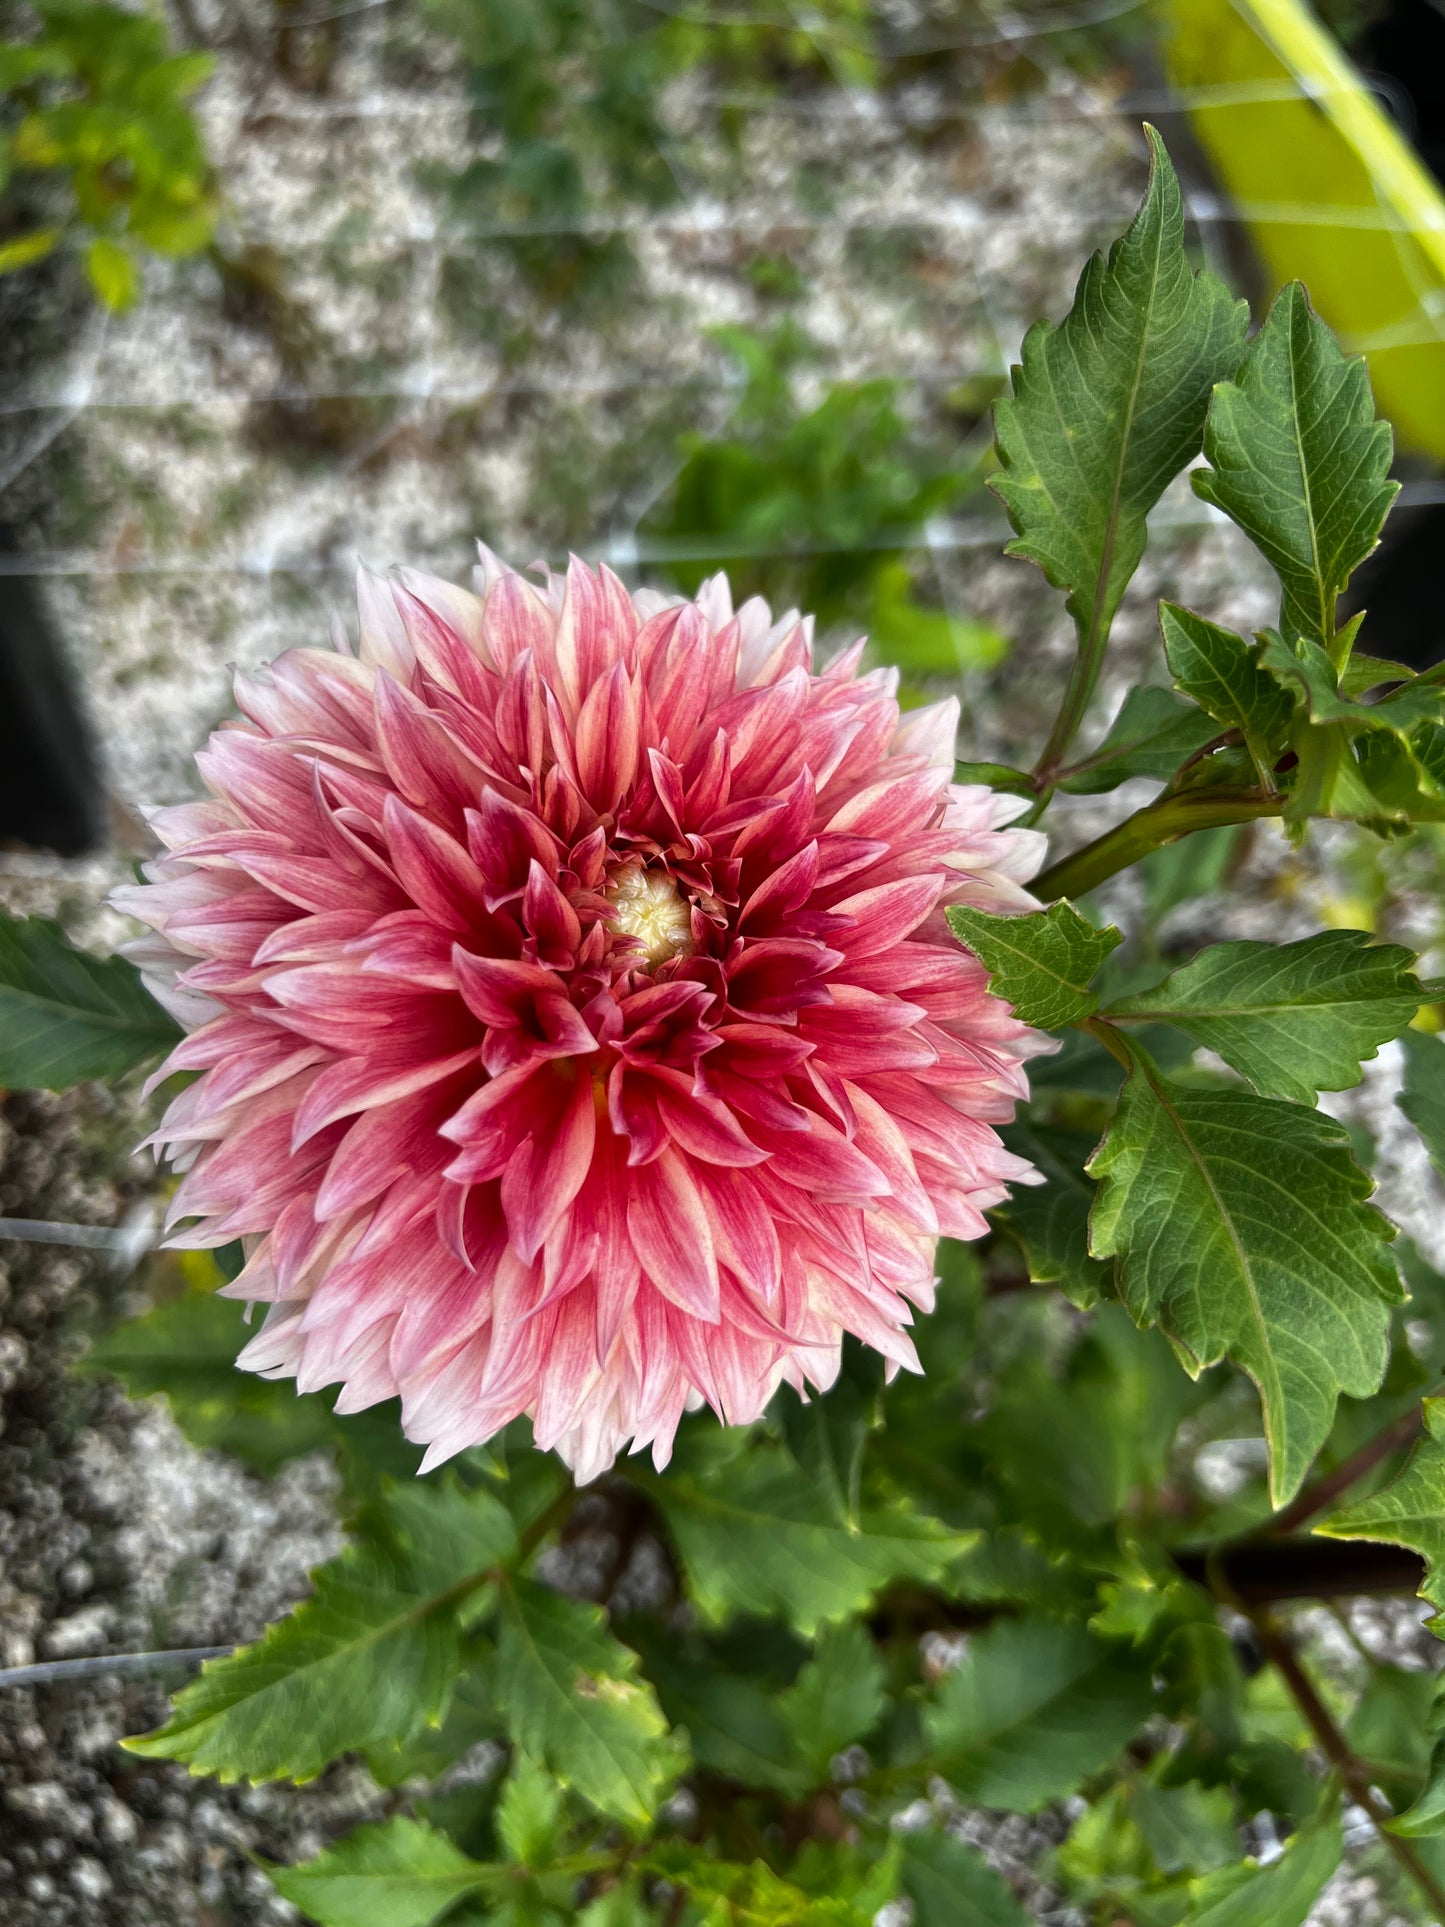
(399, 1874)
(569, 1694)
(1423, 1097)
(1299, 461)
(756, 1535)
(370, 1659)
(112, 272)
(1390, 1726)
(1426, 1817)
(1410, 1510)
(827, 1435)
(1034, 1707)
(1187, 1829)
(1109, 406)
(1294, 1018)
(1240, 1228)
(952, 1885)
(1042, 963)
(27, 248)
(185, 1347)
(994, 776)
(1152, 735)
(733, 1722)
(1051, 1220)
(528, 1814)
(66, 1016)
(1279, 1895)
(1220, 671)
(838, 1696)
(752, 1896)
(1304, 669)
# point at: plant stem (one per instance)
(1282, 1656)
(1322, 1494)
(1088, 661)
(1164, 821)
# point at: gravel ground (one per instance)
(195, 493)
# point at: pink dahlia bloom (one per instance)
(579, 1030)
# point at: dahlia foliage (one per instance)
(579, 1029)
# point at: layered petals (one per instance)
(574, 1026)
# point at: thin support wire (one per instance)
(126, 1244)
(102, 1665)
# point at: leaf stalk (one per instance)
(1164, 821)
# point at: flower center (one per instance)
(647, 905)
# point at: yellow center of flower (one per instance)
(647, 905)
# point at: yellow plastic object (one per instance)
(1332, 193)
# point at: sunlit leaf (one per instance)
(569, 1694)
(1109, 406)
(1042, 962)
(1299, 461)
(369, 1659)
(1294, 1018)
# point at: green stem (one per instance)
(1077, 695)
(1164, 821)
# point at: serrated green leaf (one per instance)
(1410, 1510)
(528, 1813)
(470, 1718)
(1051, 1220)
(66, 1016)
(1042, 963)
(837, 1698)
(1279, 1895)
(1304, 670)
(1109, 406)
(1240, 1227)
(369, 1660)
(1363, 673)
(1423, 1096)
(1221, 672)
(952, 1885)
(757, 1536)
(399, 1874)
(1034, 1707)
(1299, 461)
(1294, 1018)
(570, 1696)
(733, 1722)
(1153, 733)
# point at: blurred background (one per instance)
(675, 285)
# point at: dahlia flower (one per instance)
(578, 1027)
